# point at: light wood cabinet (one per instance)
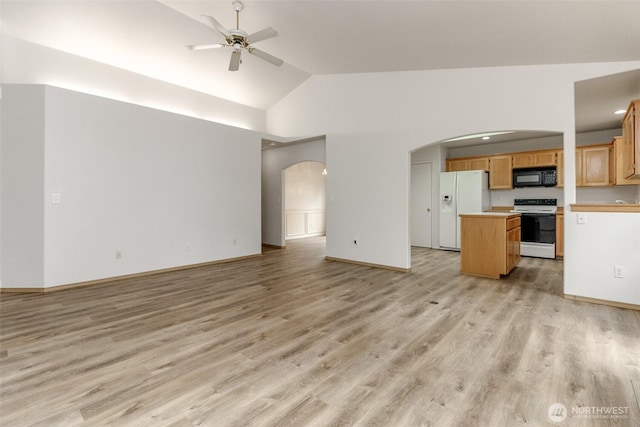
(530, 159)
(522, 160)
(578, 167)
(479, 163)
(457, 165)
(500, 172)
(468, 164)
(490, 244)
(560, 169)
(560, 232)
(631, 141)
(545, 158)
(618, 163)
(594, 166)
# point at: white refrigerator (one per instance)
(460, 192)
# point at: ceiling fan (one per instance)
(238, 40)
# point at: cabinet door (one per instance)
(596, 170)
(560, 169)
(500, 172)
(631, 142)
(480, 163)
(618, 163)
(522, 160)
(559, 235)
(454, 165)
(579, 169)
(544, 158)
(513, 248)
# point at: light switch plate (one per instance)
(55, 198)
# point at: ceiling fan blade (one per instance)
(205, 46)
(215, 24)
(234, 64)
(267, 57)
(267, 33)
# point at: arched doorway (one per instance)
(481, 145)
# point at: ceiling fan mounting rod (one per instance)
(238, 6)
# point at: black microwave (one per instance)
(535, 177)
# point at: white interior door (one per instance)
(420, 210)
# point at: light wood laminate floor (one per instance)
(291, 339)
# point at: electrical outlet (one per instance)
(187, 247)
(118, 254)
(618, 271)
(582, 218)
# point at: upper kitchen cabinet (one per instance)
(479, 163)
(499, 168)
(530, 159)
(468, 164)
(457, 165)
(594, 166)
(618, 161)
(560, 169)
(501, 172)
(631, 141)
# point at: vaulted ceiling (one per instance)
(327, 37)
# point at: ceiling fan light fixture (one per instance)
(238, 40)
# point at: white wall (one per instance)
(372, 122)
(164, 189)
(274, 161)
(606, 240)
(24, 62)
(22, 168)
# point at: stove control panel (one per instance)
(535, 202)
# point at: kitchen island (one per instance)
(490, 243)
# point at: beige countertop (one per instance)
(604, 207)
(491, 214)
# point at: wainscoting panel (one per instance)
(302, 223)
